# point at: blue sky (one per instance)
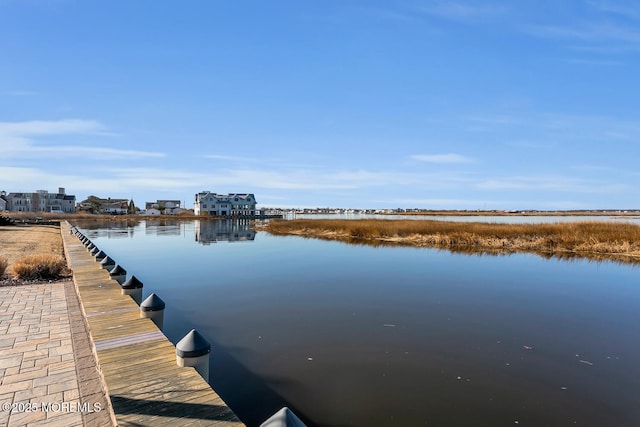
(356, 104)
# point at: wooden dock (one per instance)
(138, 362)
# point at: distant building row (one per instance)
(125, 206)
(39, 201)
(206, 203)
(163, 207)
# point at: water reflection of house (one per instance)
(229, 230)
(110, 229)
(161, 227)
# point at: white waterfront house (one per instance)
(237, 204)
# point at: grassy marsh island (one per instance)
(596, 240)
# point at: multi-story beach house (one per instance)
(237, 204)
(41, 201)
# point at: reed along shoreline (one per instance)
(594, 240)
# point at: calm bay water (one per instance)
(358, 336)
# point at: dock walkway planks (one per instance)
(138, 362)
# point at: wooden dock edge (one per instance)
(136, 361)
(64, 231)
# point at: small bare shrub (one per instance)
(42, 266)
(4, 263)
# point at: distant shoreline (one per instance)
(43, 217)
(611, 213)
(594, 240)
(27, 216)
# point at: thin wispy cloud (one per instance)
(232, 158)
(112, 182)
(496, 119)
(305, 160)
(93, 152)
(30, 178)
(595, 62)
(627, 11)
(230, 179)
(531, 144)
(606, 38)
(555, 183)
(297, 179)
(606, 49)
(391, 14)
(610, 31)
(442, 158)
(553, 128)
(595, 168)
(30, 151)
(607, 28)
(49, 127)
(461, 11)
(21, 93)
(21, 139)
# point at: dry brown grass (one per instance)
(19, 241)
(41, 266)
(618, 241)
(4, 263)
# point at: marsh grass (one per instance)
(598, 240)
(40, 266)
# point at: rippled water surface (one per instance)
(358, 336)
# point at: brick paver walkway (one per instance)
(48, 372)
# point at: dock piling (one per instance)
(100, 255)
(283, 418)
(133, 288)
(193, 350)
(107, 263)
(118, 274)
(153, 308)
